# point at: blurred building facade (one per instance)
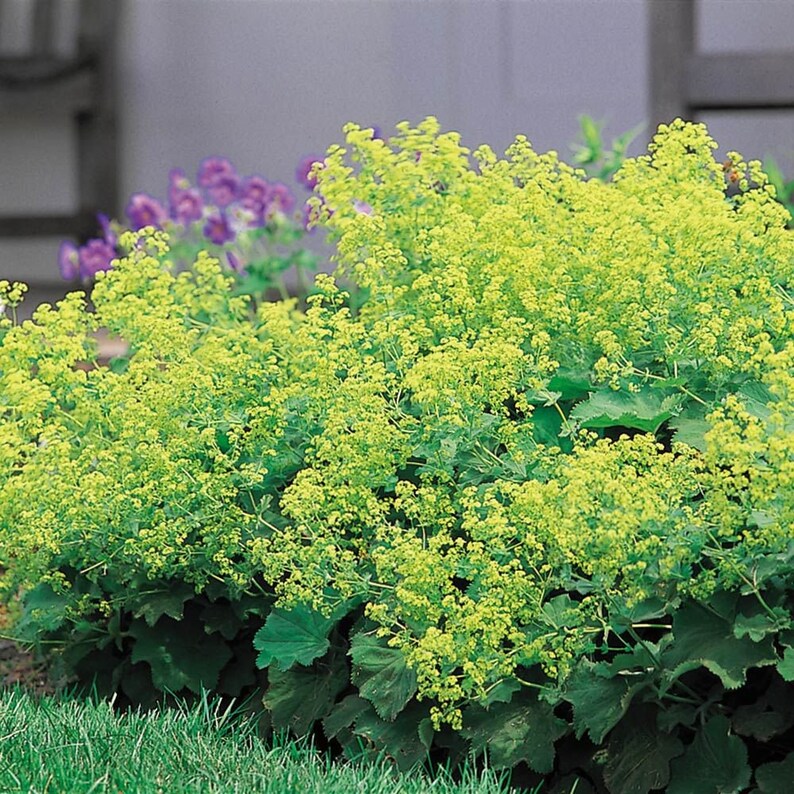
(265, 82)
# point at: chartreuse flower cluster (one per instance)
(137, 467)
(527, 310)
(558, 398)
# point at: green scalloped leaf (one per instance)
(715, 762)
(786, 665)
(572, 384)
(641, 658)
(546, 425)
(760, 623)
(344, 715)
(298, 697)
(180, 654)
(755, 396)
(515, 732)
(43, 610)
(770, 715)
(402, 740)
(690, 426)
(562, 612)
(776, 777)
(598, 702)
(381, 674)
(292, 636)
(501, 692)
(704, 639)
(644, 410)
(170, 601)
(426, 733)
(639, 754)
(622, 615)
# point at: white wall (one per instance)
(266, 81)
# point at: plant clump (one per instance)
(534, 483)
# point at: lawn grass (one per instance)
(64, 744)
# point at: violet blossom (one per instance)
(94, 256)
(107, 229)
(224, 190)
(185, 202)
(279, 199)
(217, 228)
(177, 183)
(212, 169)
(143, 210)
(303, 173)
(253, 195)
(69, 260)
(252, 200)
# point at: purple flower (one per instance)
(224, 190)
(143, 210)
(217, 228)
(185, 202)
(69, 261)
(188, 207)
(94, 256)
(279, 199)
(220, 180)
(254, 191)
(212, 169)
(303, 171)
(252, 198)
(376, 133)
(177, 183)
(107, 229)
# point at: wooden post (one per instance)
(97, 138)
(82, 85)
(43, 28)
(671, 43)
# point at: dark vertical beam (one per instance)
(671, 42)
(97, 129)
(42, 44)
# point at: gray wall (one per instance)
(267, 81)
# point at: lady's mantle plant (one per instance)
(539, 483)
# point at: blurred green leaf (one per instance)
(179, 654)
(515, 732)
(715, 762)
(298, 697)
(639, 754)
